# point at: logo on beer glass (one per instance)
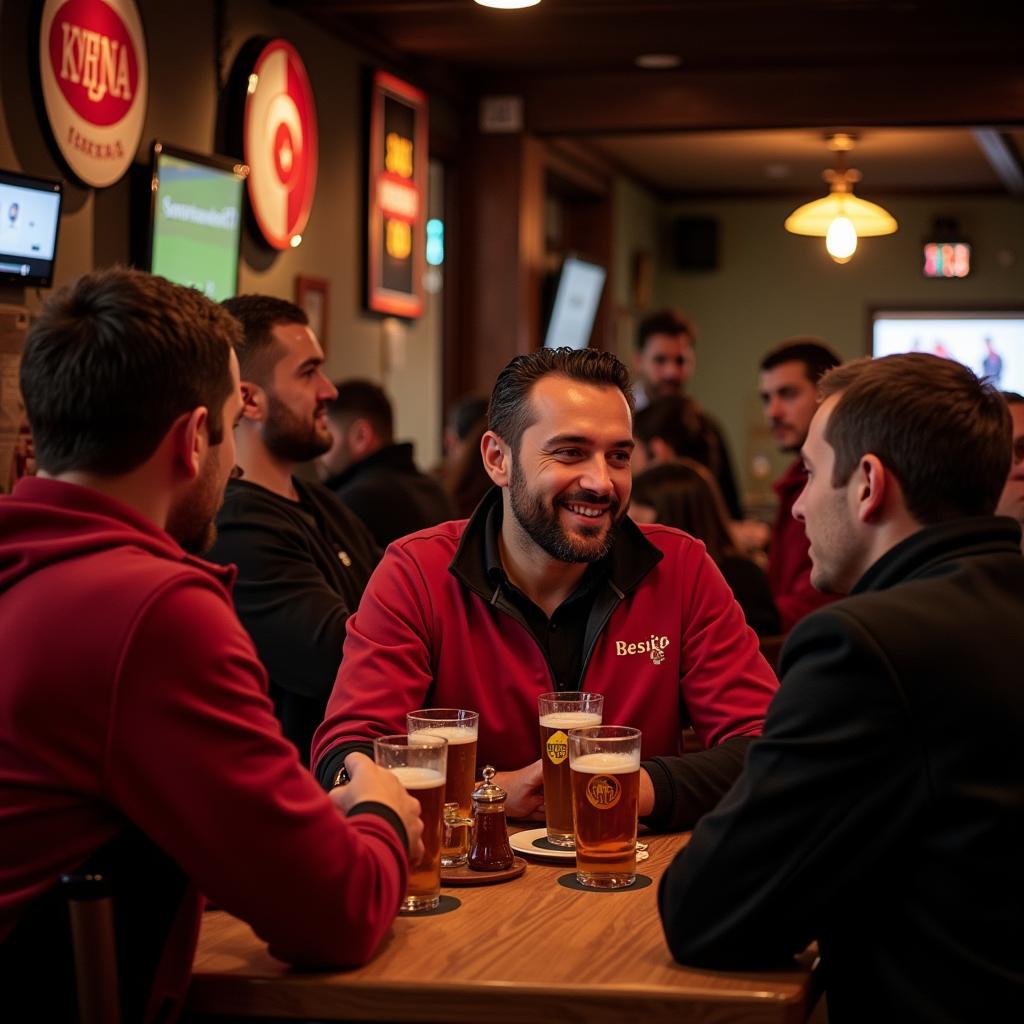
(603, 792)
(557, 747)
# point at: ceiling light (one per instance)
(658, 61)
(508, 5)
(841, 217)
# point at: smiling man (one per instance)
(550, 586)
(880, 812)
(303, 558)
(788, 387)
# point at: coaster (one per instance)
(465, 875)
(535, 843)
(445, 906)
(569, 882)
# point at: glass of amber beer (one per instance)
(419, 762)
(460, 729)
(605, 764)
(560, 712)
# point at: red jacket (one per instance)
(132, 696)
(789, 560)
(430, 633)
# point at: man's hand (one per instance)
(525, 790)
(370, 782)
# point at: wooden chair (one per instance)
(92, 938)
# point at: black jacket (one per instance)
(882, 811)
(302, 568)
(390, 495)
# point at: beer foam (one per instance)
(454, 734)
(418, 778)
(570, 719)
(607, 764)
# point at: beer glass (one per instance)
(560, 712)
(459, 728)
(419, 762)
(605, 765)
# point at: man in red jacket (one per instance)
(789, 394)
(138, 740)
(550, 586)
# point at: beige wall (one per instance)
(184, 90)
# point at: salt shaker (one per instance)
(490, 850)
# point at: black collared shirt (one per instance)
(562, 637)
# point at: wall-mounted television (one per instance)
(195, 226)
(29, 220)
(576, 300)
(989, 341)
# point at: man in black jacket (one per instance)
(303, 558)
(882, 811)
(372, 475)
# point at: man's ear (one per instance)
(497, 458)
(189, 440)
(360, 437)
(660, 450)
(873, 487)
(254, 401)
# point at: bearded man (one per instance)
(303, 558)
(550, 586)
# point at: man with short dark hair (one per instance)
(303, 558)
(1011, 501)
(138, 740)
(550, 586)
(664, 363)
(881, 810)
(375, 477)
(789, 394)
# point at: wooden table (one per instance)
(525, 950)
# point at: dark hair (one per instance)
(464, 414)
(259, 315)
(113, 360)
(944, 434)
(510, 412)
(665, 321)
(1012, 398)
(362, 399)
(684, 495)
(816, 356)
(676, 420)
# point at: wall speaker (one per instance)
(695, 243)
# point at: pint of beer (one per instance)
(560, 712)
(419, 762)
(605, 763)
(460, 729)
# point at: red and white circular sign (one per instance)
(280, 144)
(94, 76)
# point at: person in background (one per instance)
(664, 363)
(551, 586)
(881, 810)
(374, 476)
(303, 558)
(463, 475)
(683, 494)
(788, 387)
(138, 739)
(1011, 501)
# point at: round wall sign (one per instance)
(280, 144)
(94, 78)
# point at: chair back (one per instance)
(95, 949)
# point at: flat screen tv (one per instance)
(196, 219)
(29, 220)
(576, 299)
(989, 341)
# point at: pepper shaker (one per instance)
(490, 850)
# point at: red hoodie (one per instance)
(132, 696)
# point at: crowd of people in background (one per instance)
(234, 634)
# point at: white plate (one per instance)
(523, 842)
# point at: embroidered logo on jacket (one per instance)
(655, 647)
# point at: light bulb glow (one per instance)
(841, 240)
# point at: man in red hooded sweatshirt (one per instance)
(137, 739)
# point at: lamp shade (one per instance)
(816, 218)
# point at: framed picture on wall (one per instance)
(311, 295)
